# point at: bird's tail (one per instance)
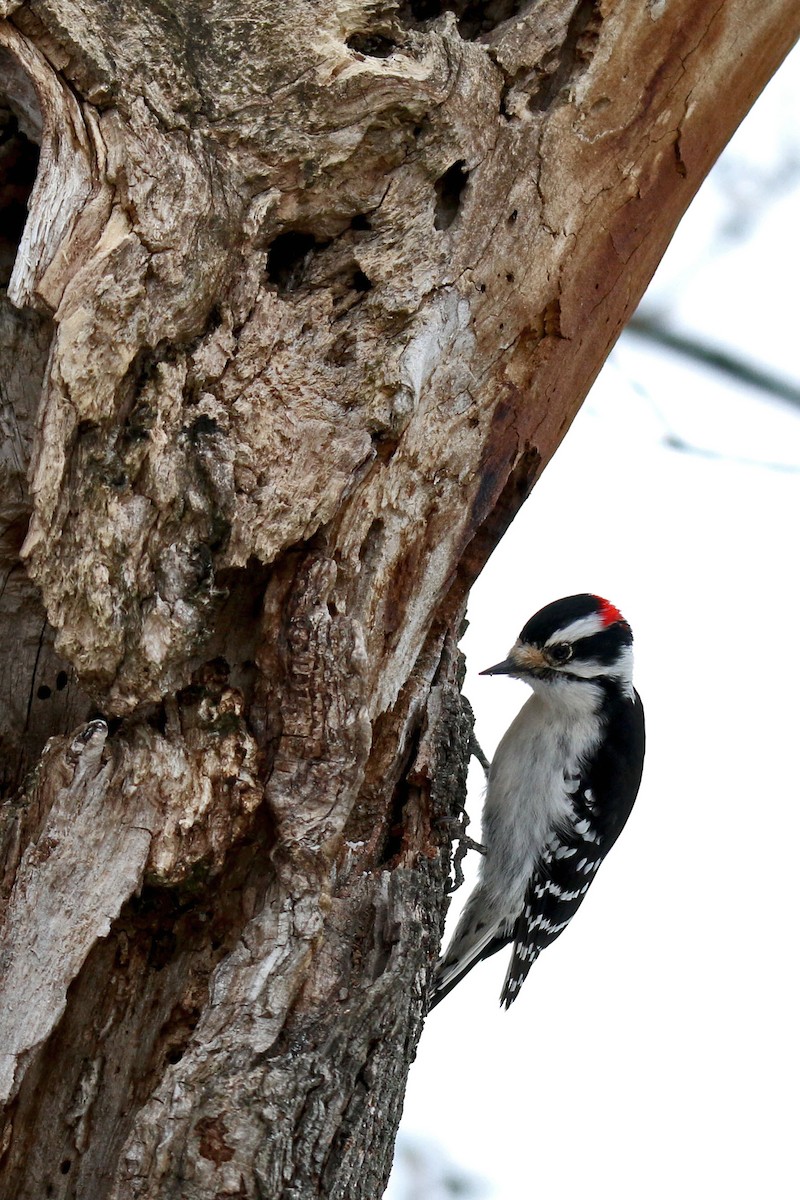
(473, 940)
(522, 960)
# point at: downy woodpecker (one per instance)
(560, 788)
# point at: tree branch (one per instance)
(712, 356)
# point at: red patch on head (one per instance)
(607, 612)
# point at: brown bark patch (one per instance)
(211, 1132)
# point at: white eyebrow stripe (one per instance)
(583, 627)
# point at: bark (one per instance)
(306, 297)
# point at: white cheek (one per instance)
(621, 669)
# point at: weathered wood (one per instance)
(307, 296)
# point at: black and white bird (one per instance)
(560, 788)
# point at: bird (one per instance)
(559, 790)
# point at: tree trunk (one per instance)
(307, 295)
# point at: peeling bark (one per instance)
(306, 297)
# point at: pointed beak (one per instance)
(506, 667)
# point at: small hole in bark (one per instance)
(174, 1056)
(449, 189)
(43, 692)
(203, 425)
(215, 319)
(512, 216)
(361, 282)
(65, 1166)
(422, 10)
(373, 543)
(361, 222)
(479, 17)
(114, 723)
(510, 276)
(341, 351)
(680, 165)
(61, 681)
(162, 949)
(157, 719)
(286, 258)
(384, 445)
(371, 45)
(482, 287)
(394, 838)
(19, 161)
(474, 17)
(396, 831)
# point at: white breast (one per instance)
(528, 794)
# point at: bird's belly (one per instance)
(529, 797)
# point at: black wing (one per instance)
(603, 799)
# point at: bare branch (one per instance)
(724, 361)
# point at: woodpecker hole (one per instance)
(361, 282)
(473, 17)
(384, 445)
(361, 222)
(551, 317)
(114, 723)
(204, 425)
(395, 832)
(422, 10)
(372, 546)
(371, 45)
(449, 189)
(680, 165)
(19, 161)
(342, 351)
(288, 257)
(157, 719)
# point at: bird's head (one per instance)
(581, 639)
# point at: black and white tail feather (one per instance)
(560, 788)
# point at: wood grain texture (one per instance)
(307, 296)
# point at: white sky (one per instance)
(653, 1051)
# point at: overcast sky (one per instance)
(653, 1051)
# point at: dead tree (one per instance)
(306, 296)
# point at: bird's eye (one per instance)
(560, 653)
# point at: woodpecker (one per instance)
(560, 787)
